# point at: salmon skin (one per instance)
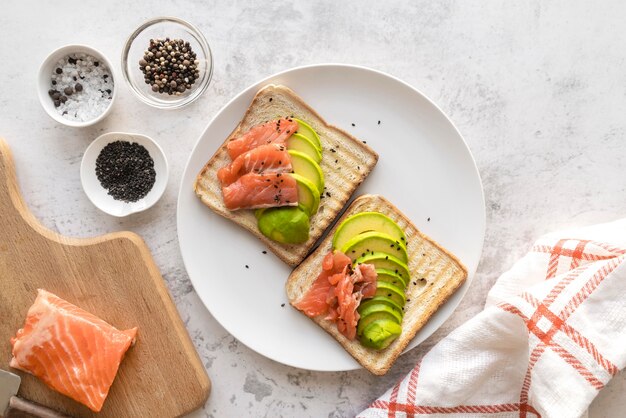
(338, 291)
(69, 349)
(273, 132)
(269, 158)
(252, 191)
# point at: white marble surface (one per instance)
(537, 89)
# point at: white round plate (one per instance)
(99, 195)
(425, 169)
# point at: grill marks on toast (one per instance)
(355, 161)
(435, 276)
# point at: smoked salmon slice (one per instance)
(269, 158)
(316, 301)
(273, 132)
(69, 349)
(253, 190)
(338, 291)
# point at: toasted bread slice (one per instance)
(435, 275)
(355, 161)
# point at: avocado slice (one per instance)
(305, 130)
(385, 275)
(376, 300)
(379, 334)
(301, 143)
(364, 222)
(259, 212)
(375, 312)
(287, 224)
(308, 194)
(392, 292)
(385, 261)
(373, 241)
(305, 166)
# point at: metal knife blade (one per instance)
(12, 406)
(9, 384)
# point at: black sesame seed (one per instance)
(126, 170)
(282, 305)
(271, 99)
(353, 124)
(247, 266)
(379, 122)
(365, 142)
(428, 219)
(264, 252)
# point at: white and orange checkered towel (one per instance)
(553, 333)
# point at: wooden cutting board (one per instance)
(113, 277)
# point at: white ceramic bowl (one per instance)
(98, 194)
(43, 83)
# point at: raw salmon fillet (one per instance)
(72, 351)
(338, 290)
(254, 190)
(273, 132)
(269, 158)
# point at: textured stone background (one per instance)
(537, 89)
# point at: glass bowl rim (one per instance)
(204, 46)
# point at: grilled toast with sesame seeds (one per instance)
(435, 275)
(354, 161)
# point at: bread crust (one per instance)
(355, 160)
(435, 275)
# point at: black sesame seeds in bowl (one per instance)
(123, 173)
(167, 63)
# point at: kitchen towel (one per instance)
(551, 336)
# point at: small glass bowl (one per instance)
(138, 43)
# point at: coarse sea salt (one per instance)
(97, 86)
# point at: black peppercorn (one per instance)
(170, 65)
